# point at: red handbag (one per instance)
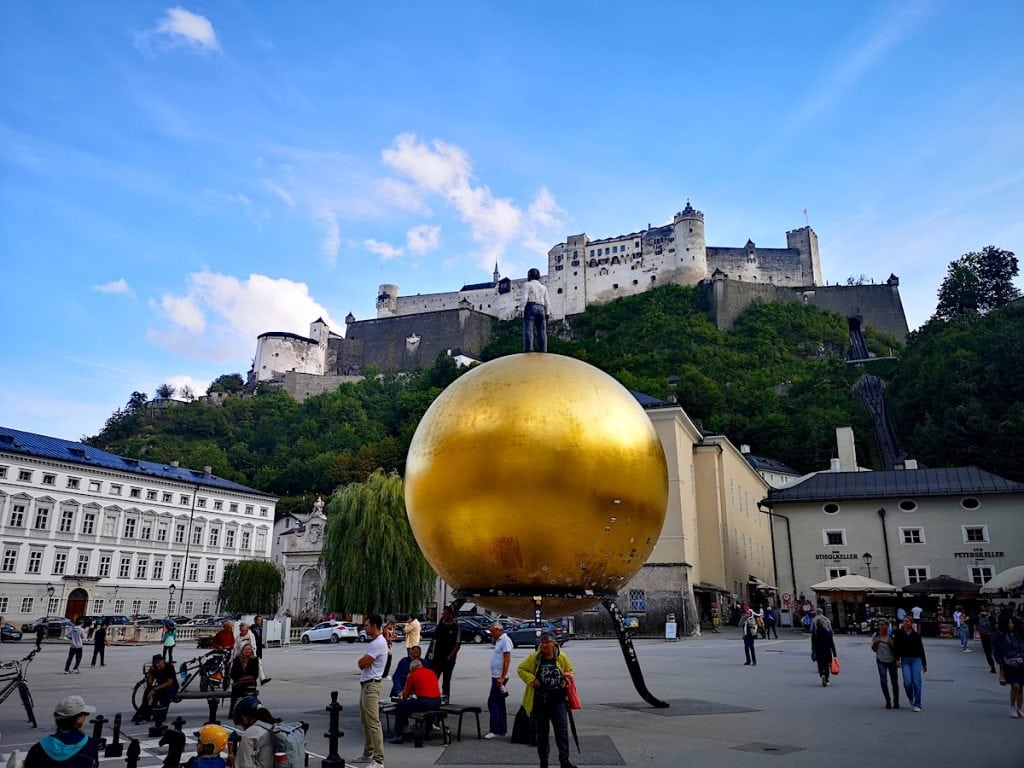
(835, 665)
(573, 694)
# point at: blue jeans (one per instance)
(496, 708)
(405, 707)
(535, 328)
(887, 672)
(962, 630)
(912, 682)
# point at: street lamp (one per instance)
(866, 557)
(170, 600)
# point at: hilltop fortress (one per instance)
(412, 330)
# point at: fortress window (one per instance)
(653, 278)
(635, 282)
(591, 251)
(615, 249)
(691, 230)
(559, 290)
(615, 286)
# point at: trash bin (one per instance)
(671, 628)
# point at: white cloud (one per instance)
(115, 286)
(423, 239)
(220, 316)
(280, 192)
(332, 236)
(179, 27)
(444, 169)
(179, 382)
(384, 250)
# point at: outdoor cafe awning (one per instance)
(854, 583)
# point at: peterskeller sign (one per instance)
(978, 553)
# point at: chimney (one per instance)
(744, 448)
(846, 449)
(910, 464)
(833, 465)
(207, 470)
(175, 464)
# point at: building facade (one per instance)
(899, 526)
(83, 531)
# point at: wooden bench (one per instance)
(218, 694)
(425, 721)
(387, 709)
(458, 709)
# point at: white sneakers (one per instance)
(917, 709)
(1014, 712)
(490, 735)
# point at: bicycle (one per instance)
(210, 669)
(13, 674)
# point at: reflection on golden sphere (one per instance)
(536, 474)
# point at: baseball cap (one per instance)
(72, 706)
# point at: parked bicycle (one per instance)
(14, 674)
(210, 670)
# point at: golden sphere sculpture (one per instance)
(536, 474)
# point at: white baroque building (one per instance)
(83, 531)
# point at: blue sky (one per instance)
(175, 180)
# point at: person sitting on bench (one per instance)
(161, 687)
(244, 671)
(401, 673)
(421, 694)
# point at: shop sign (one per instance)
(978, 553)
(836, 555)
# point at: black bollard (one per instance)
(174, 740)
(159, 716)
(97, 730)
(333, 759)
(213, 703)
(131, 759)
(115, 748)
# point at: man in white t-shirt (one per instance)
(412, 630)
(917, 612)
(534, 301)
(371, 671)
(962, 622)
(501, 657)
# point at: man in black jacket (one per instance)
(910, 653)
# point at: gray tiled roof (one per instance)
(41, 446)
(769, 465)
(829, 486)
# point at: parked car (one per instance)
(399, 634)
(55, 625)
(427, 629)
(330, 631)
(527, 632)
(473, 631)
(9, 633)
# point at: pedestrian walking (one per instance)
(771, 621)
(169, 639)
(546, 672)
(76, 638)
(69, 747)
(748, 630)
(501, 657)
(40, 634)
(99, 645)
(913, 663)
(962, 622)
(371, 672)
(883, 646)
(823, 648)
(1008, 649)
(985, 627)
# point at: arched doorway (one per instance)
(77, 601)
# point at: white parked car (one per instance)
(335, 631)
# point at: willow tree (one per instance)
(251, 586)
(370, 560)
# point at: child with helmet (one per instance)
(213, 739)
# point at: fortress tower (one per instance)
(691, 262)
(805, 240)
(387, 300)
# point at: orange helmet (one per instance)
(215, 735)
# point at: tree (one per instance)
(229, 382)
(187, 394)
(977, 283)
(251, 586)
(371, 561)
(165, 391)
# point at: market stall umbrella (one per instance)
(942, 585)
(854, 583)
(1008, 580)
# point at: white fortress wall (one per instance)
(277, 354)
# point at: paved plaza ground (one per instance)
(722, 713)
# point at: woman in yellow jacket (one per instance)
(544, 673)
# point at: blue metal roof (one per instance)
(769, 465)
(894, 483)
(41, 446)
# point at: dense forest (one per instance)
(778, 382)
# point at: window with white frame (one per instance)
(248, 509)
(116, 489)
(912, 535)
(88, 523)
(94, 486)
(167, 498)
(17, 516)
(261, 540)
(152, 607)
(26, 604)
(25, 475)
(264, 512)
(110, 525)
(82, 568)
(73, 483)
(3, 473)
(42, 518)
(141, 568)
(217, 504)
(214, 537)
(67, 521)
(193, 571)
(229, 538)
(35, 561)
(197, 535)
(119, 605)
(246, 538)
(179, 533)
(150, 495)
(4, 602)
(146, 531)
(60, 563)
(981, 573)
(233, 507)
(637, 601)
(52, 605)
(207, 606)
(125, 569)
(916, 573)
(201, 502)
(188, 608)
(185, 500)
(104, 571)
(97, 605)
(175, 570)
(129, 528)
(834, 537)
(161, 532)
(49, 479)
(136, 607)
(835, 573)
(158, 568)
(135, 493)
(211, 572)
(975, 534)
